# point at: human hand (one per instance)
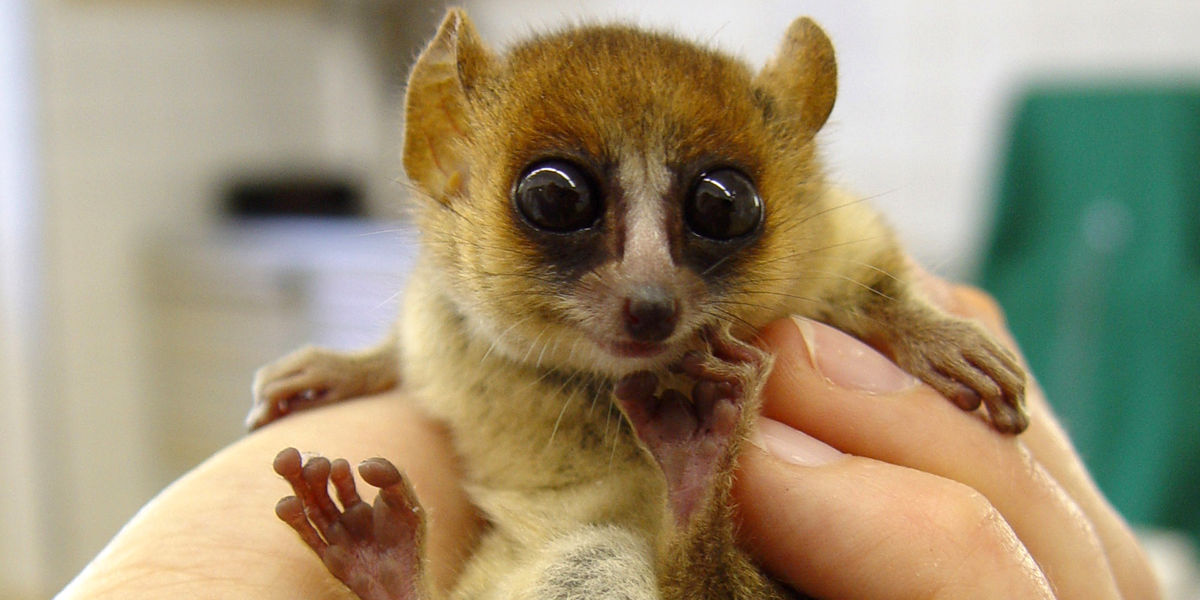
(865, 483)
(930, 503)
(213, 533)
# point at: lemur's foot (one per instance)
(375, 551)
(966, 365)
(693, 437)
(311, 377)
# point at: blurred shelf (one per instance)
(224, 301)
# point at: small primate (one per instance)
(607, 215)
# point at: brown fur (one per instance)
(494, 340)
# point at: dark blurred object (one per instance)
(1096, 259)
(293, 196)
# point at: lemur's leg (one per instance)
(954, 356)
(597, 562)
(880, 297)
(695, 438)
(375, 550)
(313, 376)
(962, 362)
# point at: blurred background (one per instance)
(190, 188)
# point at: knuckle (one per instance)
(966, 517)
(975, 530)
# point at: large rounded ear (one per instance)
(439, 89)
(801, 79)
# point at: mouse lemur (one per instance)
(606, 214)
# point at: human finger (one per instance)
(840, 526)
(825, 383)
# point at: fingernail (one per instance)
(792, 445)
(849, 363)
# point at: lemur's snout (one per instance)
(651, 315)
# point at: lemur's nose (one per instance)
(651, 315)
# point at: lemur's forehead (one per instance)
(607, 92)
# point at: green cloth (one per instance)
(1096, 259)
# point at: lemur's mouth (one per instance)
(632, 349)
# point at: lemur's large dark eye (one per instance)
(723, 205)
(557, 196)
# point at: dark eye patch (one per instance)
(722, 216)
(559, 205)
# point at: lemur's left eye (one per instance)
(557, 196)
(723, 205)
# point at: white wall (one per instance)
(146, 108)
(21, 556)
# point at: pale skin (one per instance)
(918, 500)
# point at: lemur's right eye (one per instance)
(557, 196)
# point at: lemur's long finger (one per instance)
(291, 511)
(321, 510)
(356, 514)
